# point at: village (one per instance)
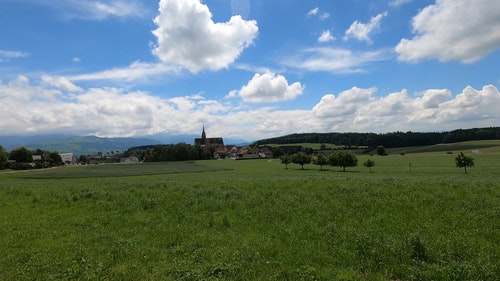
(205, 148)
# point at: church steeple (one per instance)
(208, 142)
(203, 135)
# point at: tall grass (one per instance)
(254, 220)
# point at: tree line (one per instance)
(339, 158)
(22, 159)
(394, 139)
(170, 152)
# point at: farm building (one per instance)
(68, 158)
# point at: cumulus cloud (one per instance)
(432, 98)
(335, 60)
(433, 110)
(347, 102)
(326, 36)
(269, 87)
(362, 31)
(453, 30)
(60, 83)
(56, 106)
(188, 37)
(471, 106)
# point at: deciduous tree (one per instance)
(21, 155)
(54, 159)
(286, 159)
(321, 159)
(277, 152)
(301, 158)
(463, 161)
(369, 163)
(343, 158)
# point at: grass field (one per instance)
(254, 220)
(311, 145)
(485, 146)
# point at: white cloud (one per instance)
(26, 108)
(335, 59)
(316, 12)
(52, 107)
(397, 3)
(136, 71)
(453, 30)
(346, 103)
(103, 9)
(188, 37)
(313, 12)
(432, 110)
(95, 10)
(326, 36)
(268, 87)
(362, 31)
(471, 106)
(61, 83)
(433, 97)
(6, 55)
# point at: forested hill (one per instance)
(395, 139)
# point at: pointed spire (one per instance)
(203, 135)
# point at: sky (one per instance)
(247, 69)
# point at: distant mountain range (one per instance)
(90, 144)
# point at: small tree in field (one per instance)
(301, 158)
(463, 161)
(286, 159)
(369, 163)
(343, 158)
(320, 160)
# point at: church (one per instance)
(207, 142)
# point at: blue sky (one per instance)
(247, 69)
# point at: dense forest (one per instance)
(394, 139)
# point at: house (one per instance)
(266, 152)
(68, 158)
(248, 153)
(232, 151)
(220, 152)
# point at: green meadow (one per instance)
(415, 217)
